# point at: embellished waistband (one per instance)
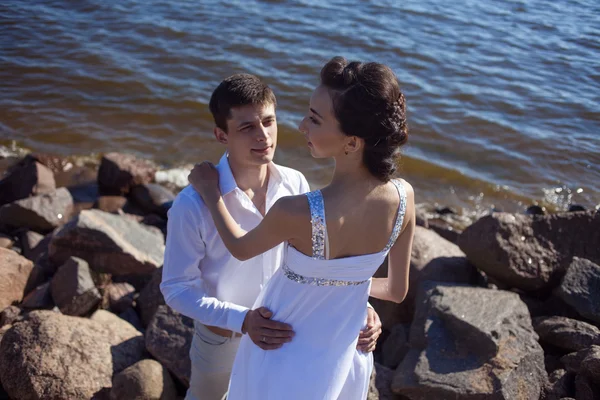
(318, 281)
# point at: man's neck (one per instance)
(254, 178)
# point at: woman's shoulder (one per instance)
(293, 205)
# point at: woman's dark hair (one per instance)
(368, 103)
(237, 91)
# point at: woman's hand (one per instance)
(205, 180)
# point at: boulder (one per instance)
(153, 198)
(471, 343)
(39, 298)
(432, 258)
(585, 389)
(531, 252)
(380, 385)
(40, 213)
(73, 288)
(54, 356)
(14, 275)
(580, 288)
(34, 245)
(145, 380)
(395, 346)
(9, 315)
(560, 384)
(6, 241)
(150, 298)
(118, 172)
(168, 339)
(109, 243)
(119, 296)
(27, 178)
(566, 333)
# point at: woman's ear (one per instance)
(354, 144)
(220, 134)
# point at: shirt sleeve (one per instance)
(182, 285)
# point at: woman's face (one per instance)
(320, 127)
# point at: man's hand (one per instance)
(265, 333)
(367, 340)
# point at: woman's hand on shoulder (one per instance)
(204, 177)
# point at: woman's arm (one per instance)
(395, 286)
(275, 228)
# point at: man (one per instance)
(201, 279)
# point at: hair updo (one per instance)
(368, 103)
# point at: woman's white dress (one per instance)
(325, 301)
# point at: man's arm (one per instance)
(183, 289)
(182, 284)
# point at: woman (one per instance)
(337, 238)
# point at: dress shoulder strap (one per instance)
(399, 216)
(317, 220)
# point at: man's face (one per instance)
(251, 136)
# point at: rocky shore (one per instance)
(506, 307)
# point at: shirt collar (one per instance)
(227, 182)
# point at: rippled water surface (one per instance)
(503, 97)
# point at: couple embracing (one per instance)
(276, 277)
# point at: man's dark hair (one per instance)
(236, 91)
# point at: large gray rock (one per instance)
(531, 252)
(561, 384)
(566, 333)
(73, 288)
(118, 172)
(27, 178)
(380, 384)
(14, 274)
(168, 339)
(580, 288)
(53, 356)
(41, 213)
(145, 380)
(109, 243)
(432, 258)
(150, 298)
(590, 366)
(585, 389)
(471, 343)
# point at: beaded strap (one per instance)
(317, 219)
(318, 281)
(400, 216)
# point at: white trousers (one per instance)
(212, 358)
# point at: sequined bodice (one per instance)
(320, 271)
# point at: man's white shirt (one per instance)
(201, 279)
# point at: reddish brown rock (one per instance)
(27, 178)
(119, 172)
(14, 274)
(53, 356)
(40, 213)
(109, 243)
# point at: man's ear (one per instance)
(220, 134)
